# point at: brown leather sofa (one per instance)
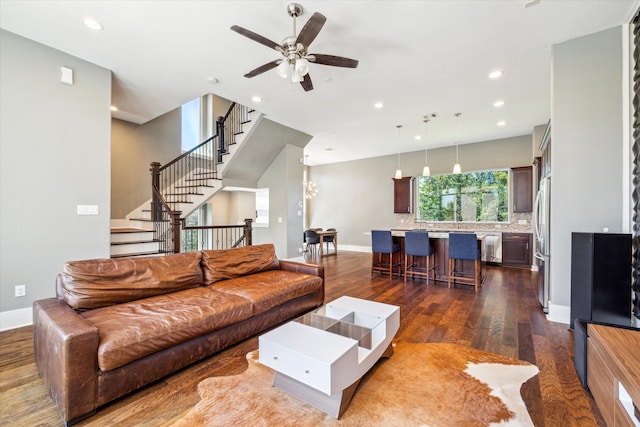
(118, 324)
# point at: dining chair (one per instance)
(329, 239)
(416, 244)
(464, 246)
(382, 244)
(312, 239)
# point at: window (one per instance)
(191, 115)
(468, 197)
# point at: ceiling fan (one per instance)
(294, 49)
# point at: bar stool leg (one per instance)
(405, 268)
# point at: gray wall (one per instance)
(54, 155)
(586, 146)
(232, 207)
(356, 197)
(284, 181)
(133, 148)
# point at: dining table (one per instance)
(322, 234)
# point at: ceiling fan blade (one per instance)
(335, 61)
(261, 69)
(311, 29)
(255, 37)
(306, 83)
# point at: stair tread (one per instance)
(137, 254)
(117, 230)
(134, 242)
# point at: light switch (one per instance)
(66, 76)
(87, 209)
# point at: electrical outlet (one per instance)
(21, 290)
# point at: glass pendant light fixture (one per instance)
(310, 190)
(425, 170)
(456, 168)
(398, 171)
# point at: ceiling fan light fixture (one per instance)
(302, 66)
(283, 69)
(296, 77)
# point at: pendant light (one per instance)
(425, 170)
(310, 190)
(398, 171)
(456, 168)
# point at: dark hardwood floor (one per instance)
(503, 317)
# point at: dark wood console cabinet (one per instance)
(516, 249)
(403, 195)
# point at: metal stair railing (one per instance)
(186, 175)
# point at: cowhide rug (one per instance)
(420, 385)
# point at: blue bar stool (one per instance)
(382, 243)
(464, 246)
(416, 244)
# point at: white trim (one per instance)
(15, 318)
(354, 248)
(559, 313)
(627, 129)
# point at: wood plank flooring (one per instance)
(503, 317)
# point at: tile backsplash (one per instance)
(520, 222)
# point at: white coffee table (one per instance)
(321, 356)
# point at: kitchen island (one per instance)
(439, 240)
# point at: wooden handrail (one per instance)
(194, 169)
(186, 153)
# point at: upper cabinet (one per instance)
(403, 195)
(522, 196)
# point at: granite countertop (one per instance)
(439, 234)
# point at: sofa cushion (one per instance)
(102, 282)
(269, 289)
(229, 263)
(135, 329)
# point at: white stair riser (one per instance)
(131, 237)
(134, 248)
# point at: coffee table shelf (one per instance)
(321, 356)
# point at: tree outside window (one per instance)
(468, 197)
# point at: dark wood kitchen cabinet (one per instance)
(517, 249)
(403, 195)
(522, 197)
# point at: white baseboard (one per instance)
(16, 318)
(559, 313)
(354, 248)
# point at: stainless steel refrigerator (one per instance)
(541, 211)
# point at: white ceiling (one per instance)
(417, 57)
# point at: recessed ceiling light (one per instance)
(378, 105)
(212, 80)
(501, 123)
(114, 108)
(417, 137)
(256, 98)
(499, 103)
(328, 149)
(495, 74)
(93, 24)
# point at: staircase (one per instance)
(183, 184)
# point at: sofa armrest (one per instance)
(66, 353)
(302, 267)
